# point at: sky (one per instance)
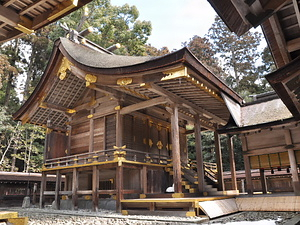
(173, 21)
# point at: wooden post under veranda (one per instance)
(232, 162)
(199, 155)
(119, 169)
(220, 177)
(293, 163)
(249, 184)
(176, 150)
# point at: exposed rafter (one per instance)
(176, 99)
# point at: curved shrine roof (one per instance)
(74, 69)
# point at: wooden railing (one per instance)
(210, 169)
(105, 156)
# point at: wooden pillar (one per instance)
(144, 180)
(199, 155)
(46, 145)
(220, 177)
(57, 189)
(43, 188)
(263, 181)
(176, 150)
(119, 129)
(69, 134)
(232, 162)
(95, 188)
(92, 127)
(119, 187)
(249, 184)
(293, 163)
(75, 189)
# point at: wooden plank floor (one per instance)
(269, 203)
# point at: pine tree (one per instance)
(239, 56)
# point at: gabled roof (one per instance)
(18, 16)
(75, 68)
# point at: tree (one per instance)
(39, 49)
(10, 57)
(203, 50)
(152, 51)
(112, 24)
(239, 56)
(21, 146)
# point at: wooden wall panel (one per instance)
(80, 138)
(264, 161)
(183, 148)
(297, 155)
(265, 139)
(274, 159)
(295, 132)
(284, 158)
(165, 141)
(128, 125)
(57, 145)
(140, 135)
(154, 138)
(110, 131)
(99, 134)
(254, 162)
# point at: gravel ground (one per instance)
(105, 217)
(279, 217)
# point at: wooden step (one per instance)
(179, 213)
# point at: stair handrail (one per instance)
(210, 169)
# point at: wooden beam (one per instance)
(143, 105)
(75, 189)
(43, 189)
(95, 188)
(218, 152)
(176, 150)
(263, 181)
(296, 7)
(96, 103)
(199, 155)
(293, 162)
(280, 40)
(54, 107)
(57, 189)
(249, 184)
(3, 32)
(293, 45)
(144, 180)
(232, 162)
(9, 16)
(119, 129)
(9, 2)
(174, 98)
(91, 133)
(119, 187)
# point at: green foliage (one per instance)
(21, 146)
(208, 149)
(112, 24)
(239, 56)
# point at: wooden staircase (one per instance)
(190, 179)
(187, 203)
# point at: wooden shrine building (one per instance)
(270, 143)
(116, 125)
